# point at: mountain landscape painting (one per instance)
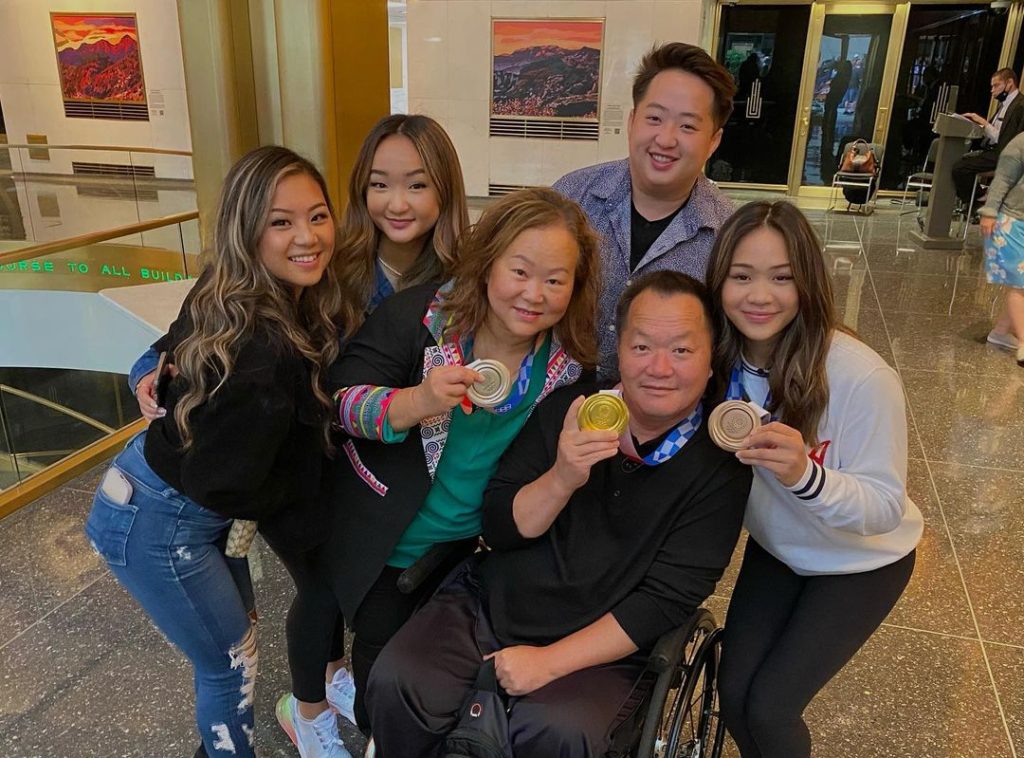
(98, 57)
(546, 68)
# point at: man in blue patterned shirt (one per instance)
(656, 209)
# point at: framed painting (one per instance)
(100, 65)
(546, 68)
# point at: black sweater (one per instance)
(257, 446)
(645, 543)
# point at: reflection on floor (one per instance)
(84, 673)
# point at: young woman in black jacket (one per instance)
(243, 436)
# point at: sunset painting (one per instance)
(546, 68)
(98, 57)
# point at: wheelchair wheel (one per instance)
(685, 697)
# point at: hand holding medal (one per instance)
(579, 449)
(443, 388)
(778, 448)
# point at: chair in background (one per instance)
(858, 188)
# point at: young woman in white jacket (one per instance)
(832, 531)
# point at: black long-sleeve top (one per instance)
(645, 543)
(257, 448)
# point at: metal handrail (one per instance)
(109, 148)
(59, 246)
(53, 476)
(57, 407)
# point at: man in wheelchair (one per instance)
(598, 547)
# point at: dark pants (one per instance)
(315, 628)
(969, 166)
(382, 613)
(786, 636)
(422, 677)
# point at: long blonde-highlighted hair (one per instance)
(359, 235)
(237, 293)
(490, 237)
(797, 376)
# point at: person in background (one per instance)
(1002, 224)
(1007, 124)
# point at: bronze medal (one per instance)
(731, 422)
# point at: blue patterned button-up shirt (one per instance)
(604, 191)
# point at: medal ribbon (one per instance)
(736, 389)
(522, 383)
(669, 446)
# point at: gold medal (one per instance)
(604, 411)
(731, 422)
(494, 385)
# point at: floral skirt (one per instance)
(1004, 253)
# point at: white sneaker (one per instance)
(1003, 340)
(318, 738)
(341, 694)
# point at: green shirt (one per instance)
(475, 444)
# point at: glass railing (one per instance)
(56, 422)
(53, 192)
(163, 249)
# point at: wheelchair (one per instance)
(678, 714)
(673, 711)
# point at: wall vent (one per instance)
(526, 128)
(109, 111)
(499, 190)
(120, 190)
(84, 168)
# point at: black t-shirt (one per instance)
(643, 233)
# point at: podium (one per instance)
(953, 131)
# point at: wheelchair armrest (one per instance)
(410, 579)
(666, 649)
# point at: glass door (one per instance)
(763, 48)
(945, 46)
(849, 76)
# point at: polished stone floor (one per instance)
(84, 673)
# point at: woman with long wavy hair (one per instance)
(244, 435)
(832, 531)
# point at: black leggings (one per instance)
(786, 636)
(315, 628)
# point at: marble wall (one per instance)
(449, 78)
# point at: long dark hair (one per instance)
(237, 291)
(798, 381)
(357, 243)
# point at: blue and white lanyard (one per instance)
(669, 446)
(736, 389)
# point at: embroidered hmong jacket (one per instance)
(379, 480)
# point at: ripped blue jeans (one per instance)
(167, 551)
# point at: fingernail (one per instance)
(161, 412)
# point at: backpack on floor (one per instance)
(482, 731)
